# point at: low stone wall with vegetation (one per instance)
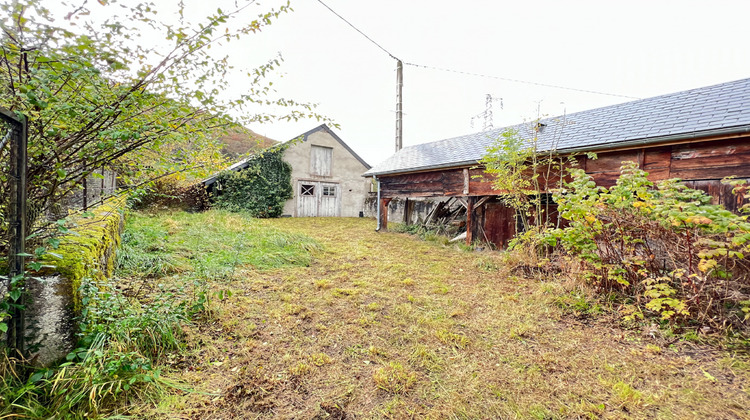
(87, 251)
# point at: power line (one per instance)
(519, 81)
(471, 73)
(361, 33)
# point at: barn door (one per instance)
(318, 199)
(329, 200)
(307, 199)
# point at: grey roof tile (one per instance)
(723, 106)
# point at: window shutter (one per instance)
(320, 160)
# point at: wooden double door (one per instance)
(318, 199)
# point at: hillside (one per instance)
(239, 141)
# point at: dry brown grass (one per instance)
(388, 326)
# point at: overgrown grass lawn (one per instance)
(338, 321)
(208, 245)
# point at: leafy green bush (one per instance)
(664, 247)
(521, 167)
(417, 229)
(260, 189)
(439, 233)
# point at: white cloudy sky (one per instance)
(636, 48)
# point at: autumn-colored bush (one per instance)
(171, 194)
(664, 248)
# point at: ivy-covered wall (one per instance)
(260, 189)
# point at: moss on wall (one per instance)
(89, 249)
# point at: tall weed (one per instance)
(121, 343)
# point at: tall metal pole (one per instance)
(17, 228)
(399, 116)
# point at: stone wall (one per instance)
(94, 189)
(87, 252)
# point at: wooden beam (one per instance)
(470, 220)
(482, 200)
(466, 181)
(384, 213)
(641, 158)
(407, 211)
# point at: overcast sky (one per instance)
(633, 48)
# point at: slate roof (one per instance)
(244, 163)
(695, 113)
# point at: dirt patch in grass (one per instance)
(383, 325)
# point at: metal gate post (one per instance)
(17, 227)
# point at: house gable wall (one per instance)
(346, 171)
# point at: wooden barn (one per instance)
(699, 135)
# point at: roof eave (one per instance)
(646, 141)
(422, 168)
(649, 141)
(235, 167)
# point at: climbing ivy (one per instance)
(260, 189)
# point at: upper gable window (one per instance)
(320, 160)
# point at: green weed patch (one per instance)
(211, 245)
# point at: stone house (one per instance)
(326, 176)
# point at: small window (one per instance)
(307, 190)
(329, 191)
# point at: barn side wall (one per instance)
(417, 212)
(700, 164)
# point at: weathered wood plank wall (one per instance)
(497, 224)
(701, 165)
(701, 161)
